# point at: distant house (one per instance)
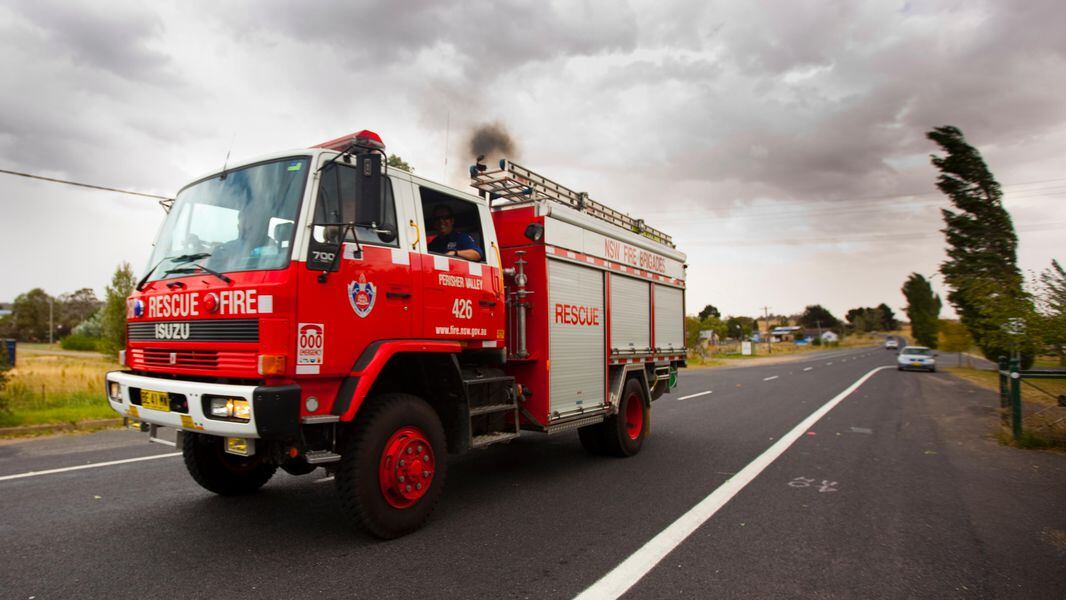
(785, 334)
(708, 337)
(825, 335)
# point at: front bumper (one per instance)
(923, 365)
(275, 409)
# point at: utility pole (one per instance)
(769, 346)
(51, 327)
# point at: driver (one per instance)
(450, 242)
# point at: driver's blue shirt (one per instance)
(455, 240)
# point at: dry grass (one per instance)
(1030, 394)
(55, 389)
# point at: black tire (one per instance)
(222, 473)
(591, 438)
(364, 500)
(899, 368)
(624, 433)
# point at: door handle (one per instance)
(397, 295)
(487, 303)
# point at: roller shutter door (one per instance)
(630, 314)
(669, 321)
(575, 312)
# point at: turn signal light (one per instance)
(271, 364)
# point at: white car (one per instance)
(891, 344)
(916, 357)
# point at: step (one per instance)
(321, 457)
(319, 419)
(492, 438)
(491, 408)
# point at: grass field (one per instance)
(728, 354)
(47, 388)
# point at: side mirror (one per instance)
(368, 189)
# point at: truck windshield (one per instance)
(241, 222)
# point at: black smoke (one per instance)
(492, 140)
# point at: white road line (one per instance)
(89, 466)
(769, 378)
(694, 395)
(633, 569)
(828, 364)
(808, 368)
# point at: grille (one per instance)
(223, 330)
(202, 360)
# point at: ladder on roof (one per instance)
(513, 183)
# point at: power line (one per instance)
(86, 185)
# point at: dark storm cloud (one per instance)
(113, 40)
(486, 37)
(823, 100)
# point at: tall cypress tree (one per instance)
(982, 265)
(923, 310)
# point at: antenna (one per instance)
(447, 134)
(225, 163)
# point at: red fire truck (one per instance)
(317, 308)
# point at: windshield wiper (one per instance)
(198, 267)
(179, 259)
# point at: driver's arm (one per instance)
(470, 254)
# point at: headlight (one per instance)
(114, 391)
(237, 409)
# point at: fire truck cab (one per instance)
(317, 308)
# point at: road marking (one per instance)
(695, 395)
(808, 368)
(828, 364)
(769, 378)
(89, 466)
(637, 565)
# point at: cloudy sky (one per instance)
(781, 143)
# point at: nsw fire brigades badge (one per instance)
(361, 294)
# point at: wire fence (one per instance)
(1041, 412)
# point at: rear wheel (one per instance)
(624, 433)
(393, 466)
(220, 472)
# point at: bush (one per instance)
(82, 342)
(4, 366)
(816, 341)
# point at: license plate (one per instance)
(916, 364)
(155, 400)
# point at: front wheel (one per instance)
(220, 472)
(392, 467)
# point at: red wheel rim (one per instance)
(407, 467)
(634, 416)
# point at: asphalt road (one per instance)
(897, 492)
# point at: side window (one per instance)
(453, 225)
(337, 203)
